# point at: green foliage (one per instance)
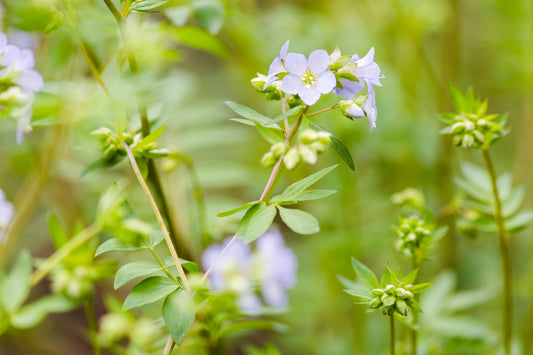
(149, 290)
(299, 221)
(179, 314)
(256, 222)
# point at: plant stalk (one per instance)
(392, 344)
(91, 323)
(503, 238)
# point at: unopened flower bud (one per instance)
(307, 154)
(482, 122)
(308, 136)
(378, 292)
(468, 140)
(113, 327)
(291, 158)
(401, 307)
(375, 303)
(469, 125)
(268, 159)
(479, 136)
(388, 300)
(278, 149)
(259, 82)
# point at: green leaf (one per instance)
(199, 38)
(31, 315)
(421, 287)
(152, 137)
(248, 113)
(307, 195)
(269, 135)
(457, 98)
(135, 269)
(256, 222)
(15, 287)
(294, 191)
(148, 291)
(513, 201)
(189, 266)
(365, 275)
(102, 163)
(342, 151)
(287, 114)
(57, 231)
(411, 277)
(299, 221)
(252, 123)
(210, 14)
(155, 239)
(387, 277)
(411, 302)
(238, 209)
(356, 289)
(338, 147)
(519, 221)
(115, 244)
(179, 313)
(178, 15)
(148, 4)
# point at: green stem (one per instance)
(392, 345)
(163, 267)
(114, 11)
(79, 239)
(198, 196)
(507, 321)
(414, 332)
(169, 346)
(91, 322)
(324, 110)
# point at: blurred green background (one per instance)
(421, 47)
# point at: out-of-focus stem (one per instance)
(392, 344)
(91, 323)
(79, 239)
(159, 217)
(507, 300)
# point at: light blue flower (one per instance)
(231, 266)
(275, 266)
(308, 78)
(276, 67)
(22, 62)
(366, 71)
(6, 214)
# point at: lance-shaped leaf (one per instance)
(135, 269)
(15, 287)
(256, 222)
(293, 192)
(148, 291)
(365, 275)
(238, 209)
(179, 313)
(299, 221)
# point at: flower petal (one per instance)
(296, 63)
(292, 84)
(30, 80)
(355, 111)
(349, 88)
(283, 52)
(318, 61)
(368, 58)
(276, 67)
(325, 82)
(309, 95)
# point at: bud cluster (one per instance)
(76, 282)
(310, 144)
(111, 144)
(393, 299)
(412, 232)
(410, 198)
(116, 326)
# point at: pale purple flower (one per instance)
(276, 67)
(231, 271)
(22, 62)
(366, 71)
(276, 267)
(308, 78)
(6, 214)
(370, 107)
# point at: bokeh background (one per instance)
(421, 47)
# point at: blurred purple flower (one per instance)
(22, 62)
(276, 66)
(231, 266)
(370, 107)
(276, 267)
(366, 71)
(308, 78)
(271, 268)
(6, 214)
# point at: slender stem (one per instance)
(160, 220)
(392, 344)
(278, 167)
(198, 196)
(126, 9)
(507, 320)
(79, 239)
(324, 110)
(94, 69)
(169, 346)
(114, 11)
(91, 322)
(414, 332)
(162, 264)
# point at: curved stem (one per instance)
(324, 110)
(169, 346)
(159, 217)
(392, 345)
(507, 320)
(79, 239)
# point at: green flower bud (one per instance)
(144, 333)
(259, 82)
(308, 136)
(388, 300)
(291, 159)
(469, 125)
(307, 154)
(468, 140)
(457, 140)
(389, 289)
(378, 292)
(458, 127)
(401, 307)
(375, 303)
(482, 122)
(278, 149)
(113, 327)
(479, 136)
(268, 159)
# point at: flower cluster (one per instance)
(76, 281)
(412, 234)
(111, 144)
(18, 84)
(307, 78)
(271, 269)
(470, 125)
(6, 213)
(310, 144)
(393, 299)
